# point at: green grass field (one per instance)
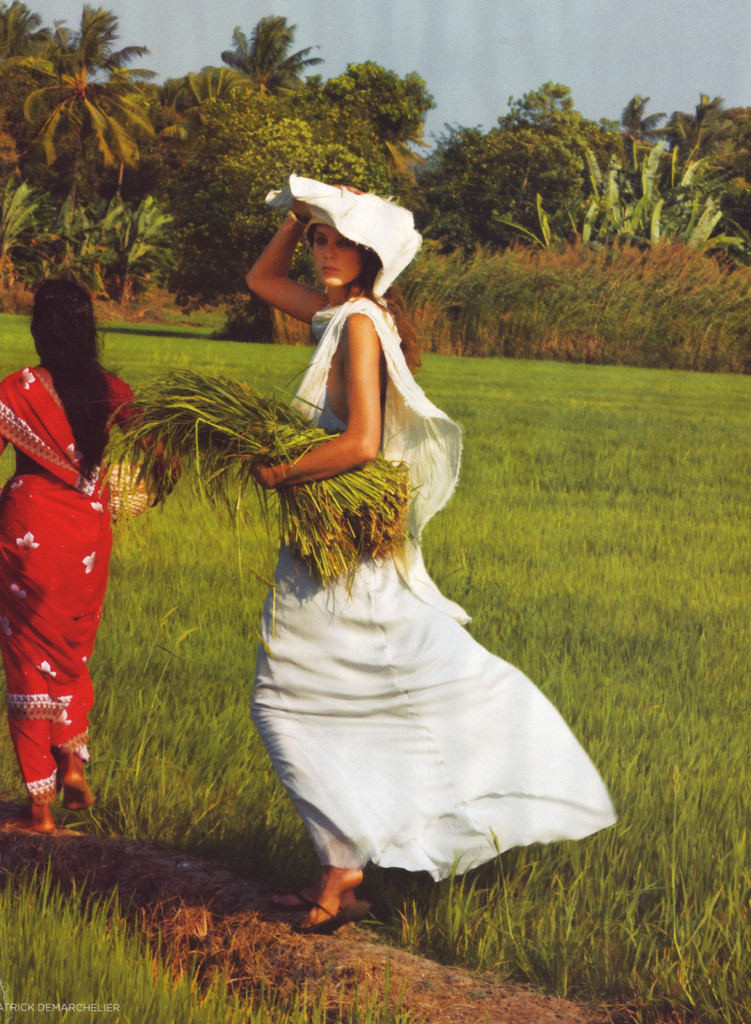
(599, 538)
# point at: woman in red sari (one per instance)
(55, 542)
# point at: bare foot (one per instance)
(38, 819)
(336, 890)
(76, 794)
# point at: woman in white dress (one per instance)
(400, 740)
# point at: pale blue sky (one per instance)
(474, 54)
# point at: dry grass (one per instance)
(15, 298)
(213, 920)
(668, 306)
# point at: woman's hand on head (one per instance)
(301, 209)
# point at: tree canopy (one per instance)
(476, 181)
(81, 126)
(393, 107)
(252, 142)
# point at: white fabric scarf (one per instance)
(414, 431)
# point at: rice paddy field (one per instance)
(600, 539)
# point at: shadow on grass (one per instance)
(163, 332)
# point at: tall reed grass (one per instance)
(667, 306)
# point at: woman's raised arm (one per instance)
(268, 279)
(364, 374)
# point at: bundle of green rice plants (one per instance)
(215, 428)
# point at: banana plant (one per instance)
(77, 247)
(646, 205)
(650, 203)
(544, 238)
(138, 241)
(23, 219)
(111, 247)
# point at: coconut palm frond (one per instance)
(215, 428)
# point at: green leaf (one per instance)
(654, 232)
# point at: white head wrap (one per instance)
(384, 227)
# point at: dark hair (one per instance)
(392, 300)
(65, 336)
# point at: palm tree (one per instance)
(182, 102)
(89, 93)
(21, 33)
(736, 155)
(638, 127)
(265, 59)
(702, 133)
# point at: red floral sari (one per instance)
(55, 542)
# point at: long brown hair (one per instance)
(392, 301)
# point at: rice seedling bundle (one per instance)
(215, 428)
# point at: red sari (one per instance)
(55, 542)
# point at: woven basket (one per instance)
(129, 495)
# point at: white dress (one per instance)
(400, 740)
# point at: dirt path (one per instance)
(201, 910)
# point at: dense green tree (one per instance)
(733, 159)
(550, 110)
(265, 58)
(251, 142)
(477, 181)
(21, 35)
(87, 92)
(735, 156)
(394, 108)
(8, 149)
